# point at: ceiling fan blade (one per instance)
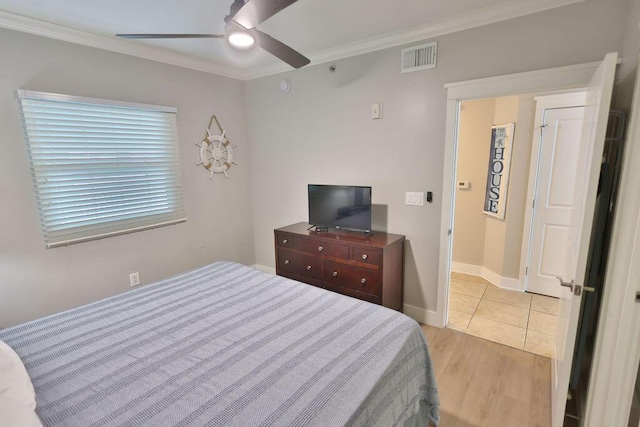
(255, 12)
(279, 49)
(170, 36)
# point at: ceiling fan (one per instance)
(241, 31)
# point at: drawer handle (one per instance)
(285, 241)
(365, 256)
(363, 280)
(308, 267)
(335, 273)
(320, 248)
(286, 261)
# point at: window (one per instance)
(101, 168)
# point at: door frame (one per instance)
(617, 347)
(568, 79)
(616, 353)
(543, 103)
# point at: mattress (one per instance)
(228, 345)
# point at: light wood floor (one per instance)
(482, 383)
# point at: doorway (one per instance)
(491, 252)
(569, 79)
(598, 83)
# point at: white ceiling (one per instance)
(322, 30)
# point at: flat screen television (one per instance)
(344, 207)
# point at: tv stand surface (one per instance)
(319, 228)
(365, 266)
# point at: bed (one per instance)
(228, 345)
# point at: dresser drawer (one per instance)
(284, 240)
(370, 269)
(302, 265)
(353, 293)
(369, 256)
(360, 279)
(322, 248)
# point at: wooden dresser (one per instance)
(365, 267)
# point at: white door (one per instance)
(580, 224)
(557, 165)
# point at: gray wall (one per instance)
(35, 281)
(629, 52)
(320, 132)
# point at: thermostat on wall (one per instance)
(464, 184)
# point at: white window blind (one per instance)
(101, 168)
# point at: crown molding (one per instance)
(50, 30)
(490, 15)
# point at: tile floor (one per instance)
(520, 320)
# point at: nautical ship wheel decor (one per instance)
(216, 151)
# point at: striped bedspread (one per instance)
(228, 345)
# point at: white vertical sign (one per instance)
(495, 199)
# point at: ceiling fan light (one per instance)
(241, 40)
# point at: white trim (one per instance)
(500, 281)
(565, 79)
(422, 315)
(30, 94)
(264, 268)
(617, 348)
(554, 80)
(460, 267)
(489, 15)
(448, 200)
(488, 275)
(50, 30)
(566, 100)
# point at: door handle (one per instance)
(565, 284)
(576, 289)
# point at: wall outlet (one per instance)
(134, 279)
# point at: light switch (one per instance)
(376, 111)
(413, 198)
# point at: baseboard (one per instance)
(264, 268)
(485, 273)
(460, 267)
(422, 315)
(513, 284)
(499, 281)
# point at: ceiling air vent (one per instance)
(418, 58)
